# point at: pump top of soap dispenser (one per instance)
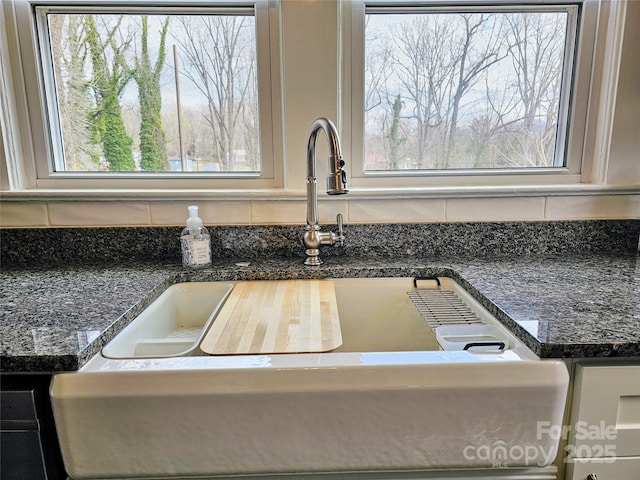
(194, 222)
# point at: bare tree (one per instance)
(536, 49)
(491, 125)
(378, 67)
(466, 90)
(473, 57)
(70, 57)
(220, 64)
(423, 66)
(437, 59)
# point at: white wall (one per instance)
(624, 167)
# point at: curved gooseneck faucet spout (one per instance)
(336, 185)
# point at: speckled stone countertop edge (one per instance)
(292, 269)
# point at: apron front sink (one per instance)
(388, 399)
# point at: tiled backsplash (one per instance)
(287, 211)
(55, 246)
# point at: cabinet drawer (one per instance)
(17, 405)
(21, 456)
(606, 411)
(28, 442)
(21, 453)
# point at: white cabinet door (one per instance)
(626, 468)
(605, 418)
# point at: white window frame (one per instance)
(24, 140)
(581, 158)
(34, 167)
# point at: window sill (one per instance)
(361, 193)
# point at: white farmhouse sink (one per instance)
(388, 400)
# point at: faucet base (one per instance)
(313, 257)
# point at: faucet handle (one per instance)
(340, 236)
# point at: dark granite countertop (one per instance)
(564, 306)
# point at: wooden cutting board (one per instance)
(276, 316)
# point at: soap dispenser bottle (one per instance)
(195, 242)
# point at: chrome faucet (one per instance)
(336, 185)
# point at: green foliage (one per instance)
(153, 154)
(107, 85)
(116, 143)
(153, 150)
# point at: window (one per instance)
(117, 80)
(154, 92)
(348, 60)
(453, 88)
